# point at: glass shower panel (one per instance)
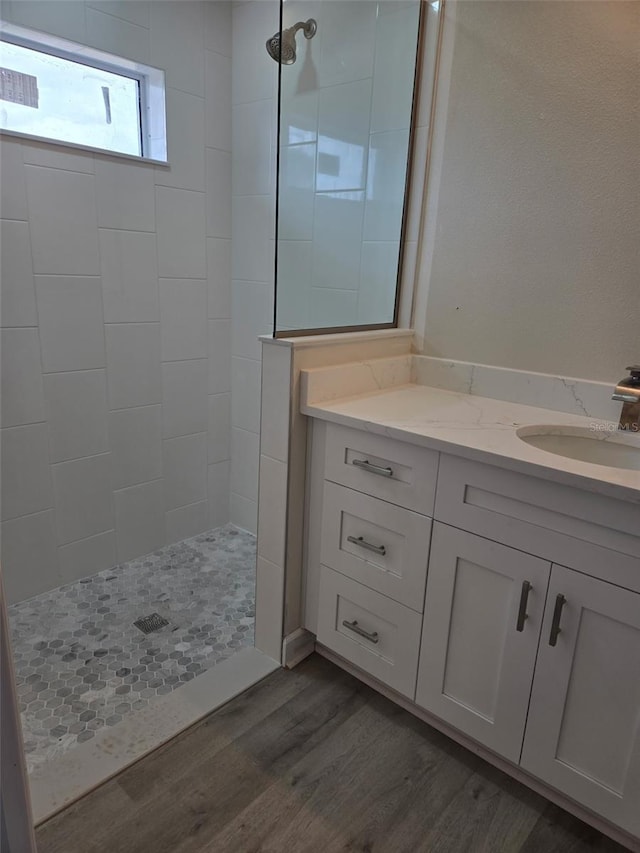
(346, 103)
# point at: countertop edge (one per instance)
(488, 457)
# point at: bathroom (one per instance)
(408, 226)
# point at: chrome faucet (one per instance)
(628, 392)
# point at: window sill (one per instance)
(28, 137)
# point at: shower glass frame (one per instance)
(358, 327)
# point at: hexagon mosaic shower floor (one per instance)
(81, 662)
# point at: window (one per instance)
(57, 90)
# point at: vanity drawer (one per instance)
(378, 544)
(580, 529)
(391, 470)
(371, 631)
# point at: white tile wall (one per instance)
(83, 498)
(219, 428)
(134, 372)
(22, 400)
(183, 318)
(140, 519)
(129, 276)
(62, 219)
(184, 397)
(218, 177)
(136, 445)
(187, 521)
(245, 408)
(71, 322)
(85, 557)
(18, 295)
(30, 543)
(185, 470)
(26, 473)
(125, 196)
(111, 443)
(182, 248)
(254, 98)
(76, 414)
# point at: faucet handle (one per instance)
(634, 370)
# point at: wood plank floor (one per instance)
(313, 761)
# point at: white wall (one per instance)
(345, 117)
(530, 250)
(115, 313)
(254, 96)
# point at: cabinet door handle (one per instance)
(522, 610)
(555, 622)
(373, 469)
(362, 542)
(353, 626)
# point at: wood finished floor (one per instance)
(313, 761)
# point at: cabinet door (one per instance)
(483, 612)
(583, 731)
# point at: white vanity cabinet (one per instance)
(583, 729)
(482, 621)
(505, 606)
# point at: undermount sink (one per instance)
(615, 449)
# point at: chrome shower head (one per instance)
(282, 46)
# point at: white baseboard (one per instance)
(297, 646)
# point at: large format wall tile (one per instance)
(182, 251)
(185, 142)
(184, 397)
(218, 97)
(26, 473)
(133, 364)
(125, 195)
(177, 43)
(219, 423)
(17, 294)
(218, 177)
(135, 436)
(129, 276)
(76, 414)
(186, 521)
(71, 324)
(29, 555)
(219, 277)
(85, 557)
(123, 38)
(13, 193)
(22, 400)
(183, 318)
(139, 519)
(185, 470)
(62, 212)
(83, 498)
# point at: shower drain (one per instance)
(154, 622)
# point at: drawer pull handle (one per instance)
(373, 469)
(522, 610)
(359, 540)
(555, 622)
(353, 626)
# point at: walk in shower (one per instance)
(129, 479)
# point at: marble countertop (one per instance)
(478, 428)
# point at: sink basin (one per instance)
(614, 449)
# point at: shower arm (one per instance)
(308, 28)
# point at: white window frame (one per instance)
(153, 123)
